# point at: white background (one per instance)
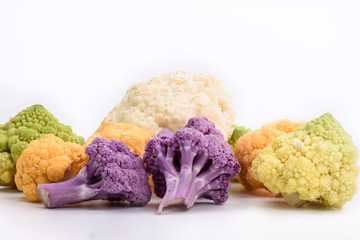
(277, 59)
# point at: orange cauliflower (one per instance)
(249, 146)
(47, 160)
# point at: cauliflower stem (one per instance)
(75, 190)
(293, 199)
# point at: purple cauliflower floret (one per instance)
(203, 125)
(113, 173)
(194, 162)
(165, 132)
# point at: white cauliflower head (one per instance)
(170, 100)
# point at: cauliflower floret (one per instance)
(194, 162)
(7, 169)
(47, 160)
(249, 146)
(316, 163)
(170, 100)
(134, 137)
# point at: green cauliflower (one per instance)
(29, 124)
(3, 139)
(236, 134)
(318, 162)
(7, 169)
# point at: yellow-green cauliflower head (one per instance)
(318, 162)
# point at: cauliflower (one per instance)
(132, 136)
(30, 124)
(3, 139)
(47, 160)
(7, 166)
(315, 163)
(237, 133)
(170, 100)
(7, 169)
(249, 146)
(113, 173)
(194, 162)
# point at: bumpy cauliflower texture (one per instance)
(318, 162)
(7, 166)
(47, 160)
(170, 100)
(3, 139)
(7, 169)
(252, 143)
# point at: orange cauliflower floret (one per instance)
(47, 160)
(249, 146)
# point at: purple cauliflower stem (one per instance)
(194, 162)
(113, 173)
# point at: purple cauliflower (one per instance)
(165, 132)
(113, 173)
(192, 163)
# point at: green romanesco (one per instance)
(316, 163)
(3, 139)
(30, 124)
(238, 132)
(7, 169)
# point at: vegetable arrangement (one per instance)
(176, 130)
